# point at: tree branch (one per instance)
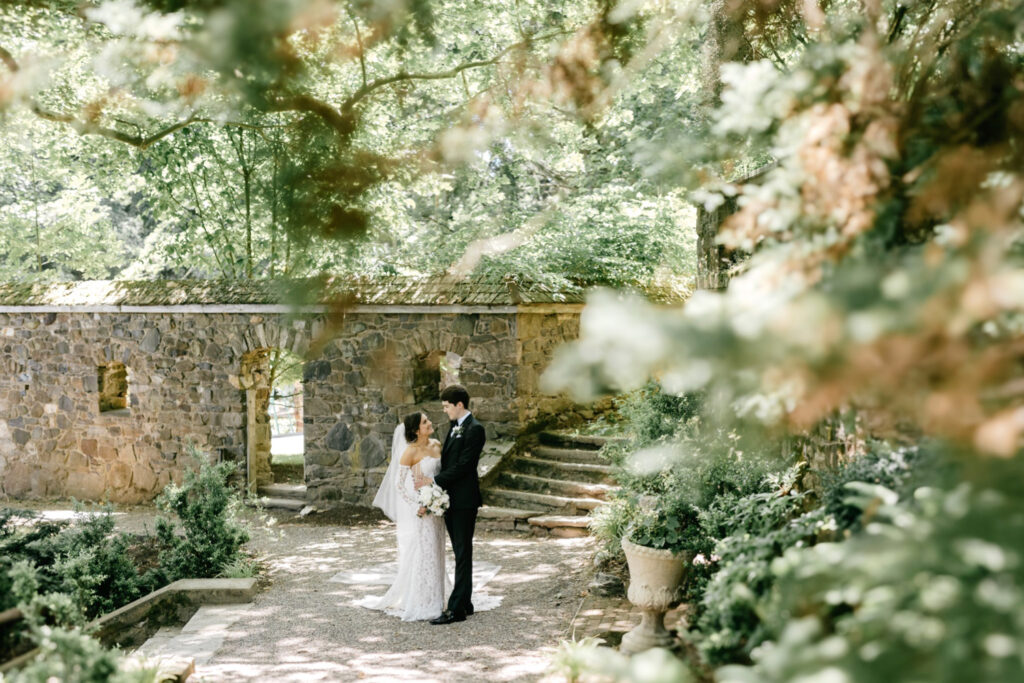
(91, 128)
(362, 50)
(362, 92)
(307, 103)
(8, 59)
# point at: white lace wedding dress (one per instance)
(421, 585)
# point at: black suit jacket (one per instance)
(459, 459)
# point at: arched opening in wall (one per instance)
(112, 380)
(284, 412)
(432, 372)
(273, 395)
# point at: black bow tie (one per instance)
(453, 424)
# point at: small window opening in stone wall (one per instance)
(432, 372)
(113, 386)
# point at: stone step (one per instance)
(282, 503)
(557, 469)
(578, 441)
(492, 512)
(296, 491)
(547, 502)
(567, 455)
(559, 487)
(505, 519)
(561, 526)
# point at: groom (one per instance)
(459, 457)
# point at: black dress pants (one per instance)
(460, 525)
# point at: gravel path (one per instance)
(302, 627)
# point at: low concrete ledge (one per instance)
(175, 602)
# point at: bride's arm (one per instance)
(403, 474)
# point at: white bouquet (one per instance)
(434, 499)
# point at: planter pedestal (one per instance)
(654, 578)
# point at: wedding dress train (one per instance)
(420, 585)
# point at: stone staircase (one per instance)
(282, 496)
(550, 489)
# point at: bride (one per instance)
(421, 586)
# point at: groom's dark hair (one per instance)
(456, 393)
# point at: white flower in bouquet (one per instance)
(434, 499)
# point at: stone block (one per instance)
(143, 478)
(316, 371)
(119, 476)
(340, 437)
(465, 324)
(16, 480)
(397, 394)
(87, 486)
(322, 458)
(150, 341)
(371, 453)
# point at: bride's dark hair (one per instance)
(412, 425)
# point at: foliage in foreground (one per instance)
(63, 575)
(414, 134)
(70, 655)
(929, 590)
(588, 661)
(882, 276)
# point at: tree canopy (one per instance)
(253, 141)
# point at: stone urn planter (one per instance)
(654, 578)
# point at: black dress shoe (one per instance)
(469, 611)
(448, 618)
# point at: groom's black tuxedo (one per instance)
(459, 458)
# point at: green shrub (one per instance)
(241, 568)
(609, 523)
(654, 414)
(70, 655)
(765, 525)
(929, 591)
(84, 559)
(759, 528)
(210, 538)
(899, 469)
(101, 577)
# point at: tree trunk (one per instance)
(724, 43)
(712, 261)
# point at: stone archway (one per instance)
(254, 378)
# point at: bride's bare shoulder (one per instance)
(410, 456)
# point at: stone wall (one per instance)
(360, 388)
(190, 380)
(538, 336)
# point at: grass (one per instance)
(291, 459)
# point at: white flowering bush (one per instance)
(928, 591)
